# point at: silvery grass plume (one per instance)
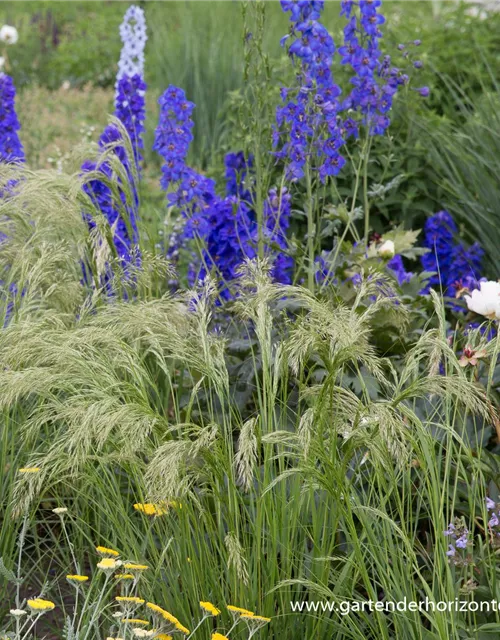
(104, 388)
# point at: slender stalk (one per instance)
(311, 230)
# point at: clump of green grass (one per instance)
(311, 492)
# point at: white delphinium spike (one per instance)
(133, 35)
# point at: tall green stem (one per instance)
(311, 232)
(366, 202)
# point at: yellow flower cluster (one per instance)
(104, 551)
(168, 617)
(150, 509)
(108, 564)
(209, 608)
(30, 470)
(77, 578)
(131, 566)
(130, 599)
(39, 605)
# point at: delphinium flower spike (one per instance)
(11, 148)
(455, 269)
(307, 122)
(134, 37)
(130, 86)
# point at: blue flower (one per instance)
(396, 265)
(121, 215)
(130, 108)
(456, 268)
(310, 112)
(11, 148)
(237, 168)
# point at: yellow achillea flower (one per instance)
(108, 564)
(77, 578)
(209, 608)
(131, 566)
(40, 606)
(255, 622)
(155, 608)
(239, 611)
(124, 576)
(164, 636)
(30, 470)
(219, 636)
(180, 627)
(150, 509)
(260, 618)
(138, 621)
(104, 551)
(132, 599)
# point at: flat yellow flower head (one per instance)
(108, 564)
(30, 470)
(104, 551)
(239, 611)
(155, 608)
(77, 578)
(180, 627)
(124, 576)
(170, 618)
(40, 606)
(255, 622)
(137, 621)
(164, 636)
(219, 636)
(150, 509)
(260, 619)
(209, 608)
(130, 599)
(131, 566)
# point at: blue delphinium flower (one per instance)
(226, 226)
(396, 265)
(277, 211)
(130, 108)
(11, 148)
(307, 123)
(122, 215)
(190, 191)
(375, 81)
(455, 267)
(439, 238)
(237, 170)
(466, 265)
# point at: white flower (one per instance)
(18, 613)
(486, 300)
(60, 510)
(133, 35)
(9, 34)
(387, 250)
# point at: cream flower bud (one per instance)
(387, 250)
(486, 300)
